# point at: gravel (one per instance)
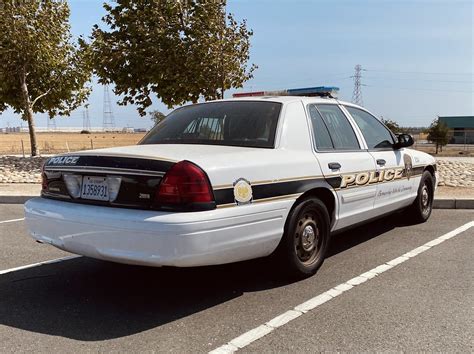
(455, 173)
(21, 170)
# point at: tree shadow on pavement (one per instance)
(90, 300)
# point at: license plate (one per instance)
(95, 188)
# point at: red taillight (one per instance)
(44, 179)
(185, 183)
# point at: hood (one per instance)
(421, 158)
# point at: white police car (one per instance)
(231, 180)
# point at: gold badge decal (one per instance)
(242, 191)
(408, 165)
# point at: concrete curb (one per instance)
(453, 203)
(441, 203)
(15, 199)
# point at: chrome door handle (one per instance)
(381, 162)
(334, 165)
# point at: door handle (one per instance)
(334, 165)
(381, 162)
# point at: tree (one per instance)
(178, 50)
(392, 125)
(41, 70)
(157, 117)
(438, 133)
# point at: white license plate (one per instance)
(95, 188)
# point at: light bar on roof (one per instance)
(321, 91)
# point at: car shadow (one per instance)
(90, 300)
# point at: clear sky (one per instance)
(417, 56)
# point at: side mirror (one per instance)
(404, 140)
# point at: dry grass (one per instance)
(53, 143)
(450, 150)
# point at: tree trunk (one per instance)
(436, 148)
(28, 112)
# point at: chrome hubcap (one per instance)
(425, 196)
(308, 238)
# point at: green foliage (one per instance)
(178, 50)
(157, 117)
(41, 70)
(438, 133)
(392, 125)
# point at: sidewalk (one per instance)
(445, 197)
(18, 193)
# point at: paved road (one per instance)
(426, 303)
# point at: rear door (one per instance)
(395, 187)
(344, 163)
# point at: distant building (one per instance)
(140, 130)
(462, 128)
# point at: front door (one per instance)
(345, 165)
(396, 187)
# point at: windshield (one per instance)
(234, 123)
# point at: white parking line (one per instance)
(38, 264)
(288, 316)
(13, 220)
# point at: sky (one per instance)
(417, 56)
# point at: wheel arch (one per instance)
(430, 169)
(326, 196)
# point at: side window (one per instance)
(376, 135)
(340, 131)
(320, 131)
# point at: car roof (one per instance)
(288, 99)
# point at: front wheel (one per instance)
(421, 208)
(304, 244)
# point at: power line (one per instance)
(424, 80)
(108, 116)
(417, 72)
(417, 89)
(86, 123)
(303, 82)
(357, 94)
(51, 123)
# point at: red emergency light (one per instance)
(320, 91)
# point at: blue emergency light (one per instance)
(319, 91)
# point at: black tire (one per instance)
(421, 208)
(303, 246)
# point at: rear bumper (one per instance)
(159, 238)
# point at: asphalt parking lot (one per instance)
(424, 304)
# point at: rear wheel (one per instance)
(303, 247)
(421, 208)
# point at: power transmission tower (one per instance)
(357, 94)
(51, 123)
(86, 123)
(108, 118)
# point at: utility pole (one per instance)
(51, 124)
(108, 116)
(357, 94)
(86, 123)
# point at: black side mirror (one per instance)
(404, 140)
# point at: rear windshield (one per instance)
(241, 123)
